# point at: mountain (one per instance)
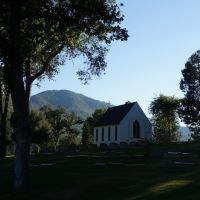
(185, 133)
(82, 105)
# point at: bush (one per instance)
(113, 145)
(103, 146)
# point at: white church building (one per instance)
(124, 123)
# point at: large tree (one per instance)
(165, 118)
(62, 123)
(36, 37)
(190, 85)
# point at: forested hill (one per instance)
(82, 105)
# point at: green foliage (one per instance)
(98, 114)
(87, 131)
(88, 126)
(40, 127)
(42, 30)
(190, 86)
(195, 136)
(53, 126)
(62, 123)
(165, 118)
(69, 139)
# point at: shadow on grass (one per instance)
(79, 178)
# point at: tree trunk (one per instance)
(22, 180)
(14, 77)
(23, 140)
(2, 138)
(3, 143)
(3, 124)
(20, 100)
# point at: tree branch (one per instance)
(46, 63)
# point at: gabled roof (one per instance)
(114, 115)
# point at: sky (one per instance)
(163, 35)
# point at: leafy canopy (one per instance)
(40, 127)
(61, 123)
(42, 33)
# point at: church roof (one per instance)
(114, 115)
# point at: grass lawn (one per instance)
(126, 175)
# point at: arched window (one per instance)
(136, 129)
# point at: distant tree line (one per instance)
(52, 128)
(49, 127)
